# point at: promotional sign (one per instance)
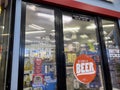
(84, 69)
(114, 53)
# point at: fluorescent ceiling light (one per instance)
(2, 27)
(91, 40)
(92, 26)
(107, 38)
(67, 39)
(106, 42)
(96, 43)
(66, 19)
(82, 45)
(74, 36)
(53, 30)
(45, 15)
(52, 41)
(65, 45)
(34, 26)
(5, 34)
(33, 32)
(72, 29)
(109, 25)
(110, 41)
(104, 32)
(31, 7)
(38, 37)
(28, 41)
(84, 36)
(51, 17)
(76, 42)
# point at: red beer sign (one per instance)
(84, 69)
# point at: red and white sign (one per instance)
(84, 69)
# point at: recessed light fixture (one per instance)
(34, 26)
(72, 29)
(52, 41)
(45, 15)
(38, 37)
(96, 43)
(65, 45)
(82, 45)
(110, 41)
(91, 40)
(76, 42)
(2, 27)
(67, 39)
(92, 26)
(84, 36)
(28, 41)
(107, 38)
(33, 32)
(66, 19)
(109, 25)
(51, 17)
(5, 34)
(104, 32)
(53, 30)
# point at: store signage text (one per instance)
(84, 69)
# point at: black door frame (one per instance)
(60, 57)
(105, 64)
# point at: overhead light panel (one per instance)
(2, 27)
(109, 25)
(34, 26)
(96, 43)
(76, 42)
(53, 30)
(92, 26)
(91, 40)
(84, 36)
(110, 41)
(38, 37)
(107, 38)
(82, 45)
(72, 29)
(104, 32)
(48, 16)
(33, 32)
(28, 41)
(66, 19)
(67, 39)
(5, 34)
(51, 17)
(52, 41)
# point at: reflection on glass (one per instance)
(4, 41)
(113, 52)
(80, 38)
(39, 60)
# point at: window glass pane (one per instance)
(4, 41)
(80, 38)
(113, 52)
(39, 60)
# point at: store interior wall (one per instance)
(112, 6)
